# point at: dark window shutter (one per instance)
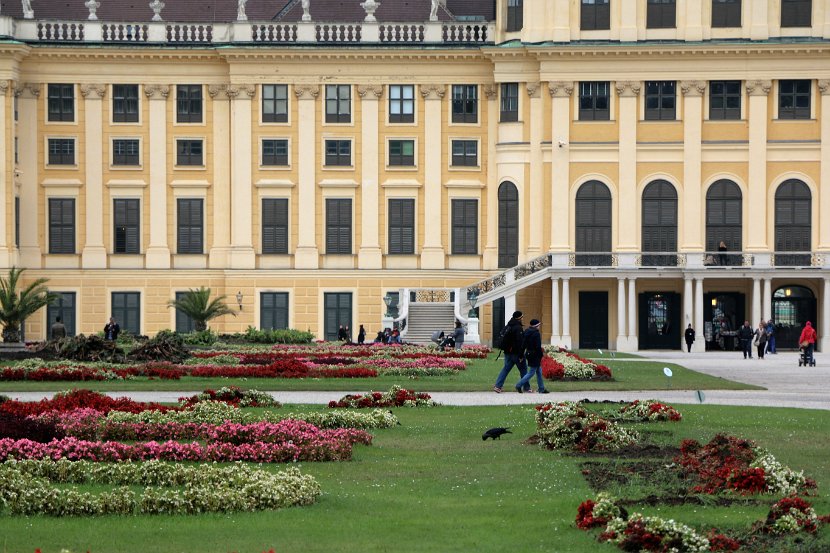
(275, 225)
(190, 226)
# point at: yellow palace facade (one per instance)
(618, 169)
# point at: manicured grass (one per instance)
(606, 354)
(479, 376)
(432, 484)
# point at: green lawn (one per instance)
(479, 376)
(606, 354)
(432, 484)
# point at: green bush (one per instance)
(281, 336)
(203, 338)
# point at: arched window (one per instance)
(724, 220)
(659, 229)
(593, 223)
(508, 225)
(793, 210)
(792, 307)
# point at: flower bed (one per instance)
(649, 533)
(28, 488)
(395, 397)
(649, 410)
(568, 426)
(232, 395)
(791, 515)
(564, 365)
(74, 399)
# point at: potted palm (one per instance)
(17, 306)
(197, 305)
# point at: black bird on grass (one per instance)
(495, 433)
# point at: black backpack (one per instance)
(507, 339)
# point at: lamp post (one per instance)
(472, 336)
(239, 299)
(391, 301)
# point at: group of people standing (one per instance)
(762, 337)
(522, 349)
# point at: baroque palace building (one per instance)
(618, 169)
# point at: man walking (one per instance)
(533, 355)
(690, 337)
(770, 337)
(745, 335)
(513, 347)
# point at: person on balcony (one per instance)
(513, 348)
(745, 335)
(690, 337)
(722, 259)
(807, 341)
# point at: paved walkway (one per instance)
(787, 385)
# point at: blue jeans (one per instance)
(511, 359)
(771, 343)
(525, 380)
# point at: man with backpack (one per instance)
(512, 344)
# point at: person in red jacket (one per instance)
(807, 341)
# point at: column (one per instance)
(491, 249)
(824, 197)
(221, 243)
(766, 306)
(535, 189)
(633, 342)
(242, 250)
(560, 93)
(628, 22)
(158, 252)
(555, 336)
(825, 316)
(688, 310)
(509, 307)
(307, 255)
(700, 339)
(627, 236)
(561, 22)
(759, 20)
(756, 302)
(30, 253)
(694, 24)
(6, 231)
(369, 255)
(432, 255)
(94, 255)
(621, 314)
(566, 313)
(757, 196)
(692, 239)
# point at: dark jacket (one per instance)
(513, 338)
(532, 340)
(690, 335)
(111, 331)
(746, 333)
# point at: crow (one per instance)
(495, 433)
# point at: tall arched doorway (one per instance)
(508, 225)
(724, 220)
(793, 211)
(593, 224)
(659, 227)
(792, 306)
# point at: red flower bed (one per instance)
(585, 519)
(722, 542)
(397, 397)
(77, 399)
(18, 427)
(803, 510)
(552, 369)
(638, 538)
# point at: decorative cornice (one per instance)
(759, 87)
(533, 89)
(28, 90)
(218, 91)
(824, 87)
(491, 91)
(306, 91)
(375, 90)
(560, 89)
(628, 89)
(157, 91)
(433, 91)
(693, 88)
(234, 91)
(93, 91)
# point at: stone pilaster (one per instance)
(692, 238)
(757, 196)
(94, 255)
(824, 195)
(627, 236)
(242, 250)
(307, 255)
(6, 198)
(158, 251)
(432, 255)
(369, 256)
(560, 164)
(535, 189)
(491, 248)
(220, 246)
(30, 251)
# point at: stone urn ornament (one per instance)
(240, 11)
(306, 10)
(157, 6)
(92, 6)
(370, 6)
(28, 12)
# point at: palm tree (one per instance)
(16, 307)
(196, 304)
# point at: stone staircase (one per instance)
(426, 318)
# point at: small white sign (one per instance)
(667, 372)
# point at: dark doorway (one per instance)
(724, 221)
(498, 321)
(659, 228)
(508, 225)
(593, 224)
(792, 306)
(723, 315)
(593, 320)
(337, 312)
(660, 320)
(793, 209)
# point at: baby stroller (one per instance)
(806, 358)
(443, 340)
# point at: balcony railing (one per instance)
(797, 259)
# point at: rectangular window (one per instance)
(796, 13)
(61, 225)
(184, 322)
(465, 227)
(338, 226)
(127, 224)
(725, 100)
(660, 101)
(595, 15)
(660, 14)
(125, 103)
(273, 310)
(126, 310)
(125, 152)
(338, 103)
(402, 226)
(17, 221)
(189, 103)
(61, 151)
(401, 153)
(189, 226)
(515, 15)
(595, 101)
(726, 13)
(401, 103)
(274, 103)
(61, 102)
(464, 153)
(339, 152)
(509, 102)
(794, 99)
(337, 313)
(63, 307)
(275, 225)
(275, 152)
(189, 152)
(464, 103)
